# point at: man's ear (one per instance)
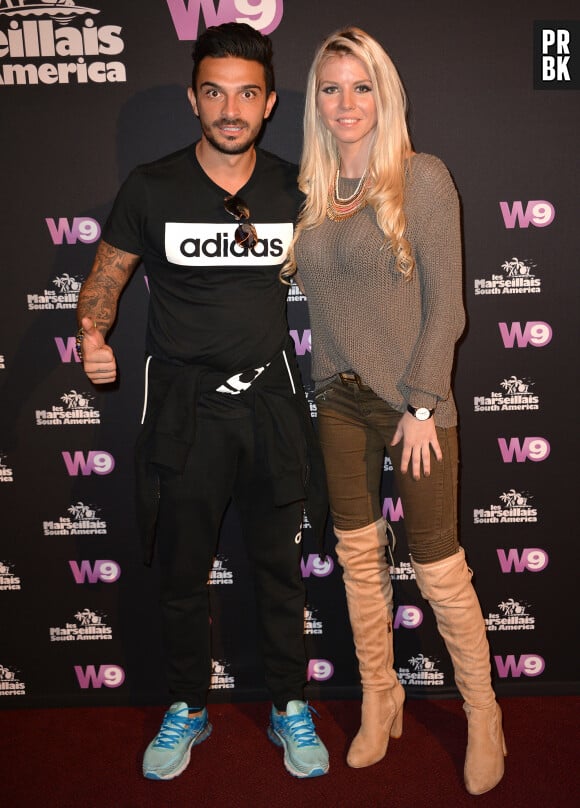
(270, 103)
(192, 100)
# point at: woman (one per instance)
(379, 256)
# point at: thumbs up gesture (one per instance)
(98, 358)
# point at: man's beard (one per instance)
(224, 146)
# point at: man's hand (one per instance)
(98, 358)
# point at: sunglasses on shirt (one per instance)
(245, 234)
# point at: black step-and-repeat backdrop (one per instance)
(87, 92)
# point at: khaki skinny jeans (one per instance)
(356, 428)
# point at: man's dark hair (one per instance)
(234, 39)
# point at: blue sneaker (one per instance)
(304, 753)
(168, 753)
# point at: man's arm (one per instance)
(97, 309)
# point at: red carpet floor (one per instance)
(80, 758)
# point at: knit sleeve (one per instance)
(437, 246)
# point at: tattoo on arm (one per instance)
(100, 293)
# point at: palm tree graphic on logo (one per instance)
(66, 283)
(511, 606)
(515, 267)
(88, 618)
(422, 663)
(76, 401)
(81, 511)
(514, 385)
(513, 498)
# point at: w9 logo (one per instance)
(103, 570)
(408, 617)
(107, 675)
(85, 230)
(302, 344)
(314, 565)
(263, 15)
(527, 664)
(536, 333)
(96, 462)
(538, 212)
(321, 670)
(532, 559)
(535, 449)
(393, 509)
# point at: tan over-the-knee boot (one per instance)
(447, 586)
(369, 595)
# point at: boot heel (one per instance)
(378, 724)
(397, 725)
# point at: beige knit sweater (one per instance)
(398, 335)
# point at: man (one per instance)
(224, 416)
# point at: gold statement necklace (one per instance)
(339, 208)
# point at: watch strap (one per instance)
(414, 410)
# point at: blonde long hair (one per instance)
(390, 149)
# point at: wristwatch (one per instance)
(420, 413)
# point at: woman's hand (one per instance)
(418, 438)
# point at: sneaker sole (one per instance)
(200, 738)
(277, 740)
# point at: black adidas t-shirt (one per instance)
(211, 301)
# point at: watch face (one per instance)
(422, 413)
